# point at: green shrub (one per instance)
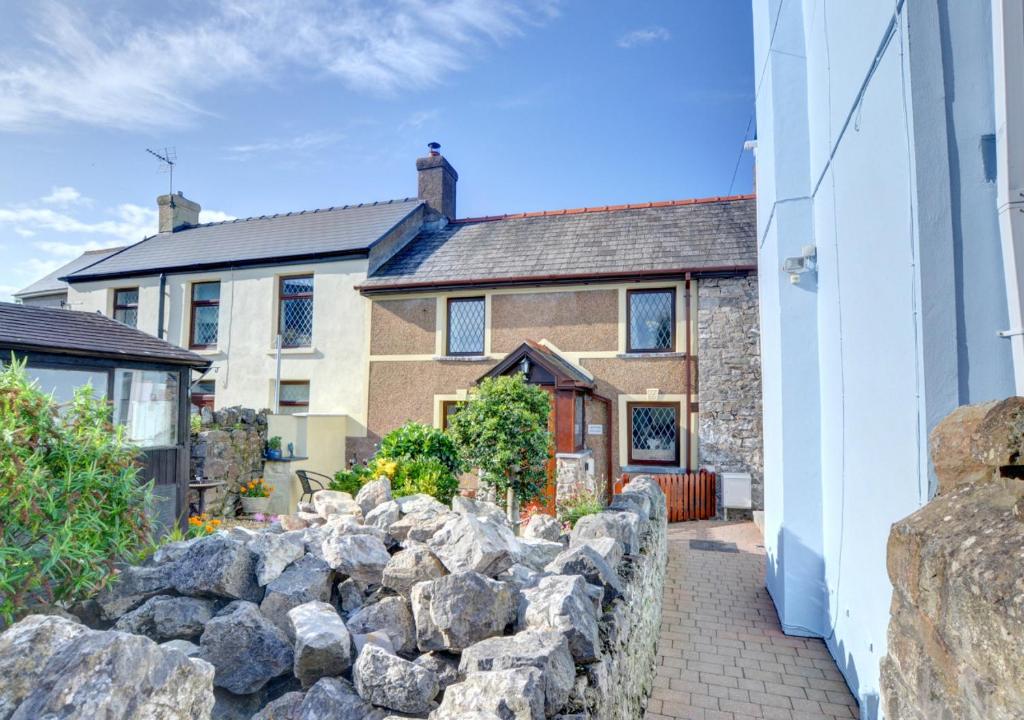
(71, 506)
(416, 440)
(424, 475)
(572, 508)
(351, 480)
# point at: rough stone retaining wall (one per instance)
(729, 379)
(956, 633)
(228, 449)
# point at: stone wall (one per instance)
(729, 379)
(956, 631)
(229, 449)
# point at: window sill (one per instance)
(653, 469)
(649, 355)
(462, 358)
(208, 352)
(296, 351)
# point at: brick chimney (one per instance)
(177, 212)
(437, 179)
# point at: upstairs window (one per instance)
(466, 326)
(653, 433)
(652, 320)
(205, 312)
(294, 397)
(295, 315)
(126, 306)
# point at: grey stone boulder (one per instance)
(458, 610)
(166, 617)
(543, 527)
(647, 485)
(246, 649)
(545, 650)
(586, 561)
(516, 694)
(378, 637)
(219, 566)
(348, 525)
(336, 699)
(383, 516)
(563, 604)
(323, 646)
(185, 647)
(389, 681)
(537, 553)
(351, 595)
(362, 557)
(56, 669)
(286, 707)
(521, 576)
(133, 586)
(420, 502)
(311, 519)
(334, 502)
(390, 615)
(608, 548)
(634, 502)
(442, 664)
(290, 523)
(410, 566)
(303, 581)
(468, 543)
(172, 552)
(479, 508)
(624, 526)
(275, 552)
(373, 494)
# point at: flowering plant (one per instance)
(254, 489)
(200, 525)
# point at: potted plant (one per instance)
(255, 496)
(274, 448)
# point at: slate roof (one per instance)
(51, 284)
(71, 332)
(714, 234)
(312, 234)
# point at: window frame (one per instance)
(445, 405)
(193, 304)
(291, 403)
(119, 306)
(206, 399)
(282, 297)
(482, 299)
(579, 406)
(677, 407)
(629, 319)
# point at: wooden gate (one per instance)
(690, 496)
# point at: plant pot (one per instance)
(253, 505)
(273, 454)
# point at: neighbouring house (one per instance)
(146, 380)
(888, 179)
(52, 291)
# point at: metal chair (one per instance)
(305, 480)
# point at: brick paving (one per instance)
(722, 654)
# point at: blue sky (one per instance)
(279, 105)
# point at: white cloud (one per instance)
(644, 36)
(212, 216)
(418, 119)
(100, 69)
(64, 195)
(300, 143)
(24, 232)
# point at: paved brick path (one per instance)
(722, 654)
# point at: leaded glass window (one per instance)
(294, 397)
(466, 326)
(652, 320)
(295, 321)
(205, 314)
(653, 433)
(126, 306)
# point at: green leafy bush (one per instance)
(416, 440)
(71, 506)
(572, 508)
(351, 480)
(424, 475)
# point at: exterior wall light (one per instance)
(797, 266)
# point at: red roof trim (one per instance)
(606, 208)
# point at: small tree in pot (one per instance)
(502, 429)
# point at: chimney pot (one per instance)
(176, 212)
(437, 180)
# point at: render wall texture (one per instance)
(729, 391)
(573, 321)
(403, 327)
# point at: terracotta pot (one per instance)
(253, 505)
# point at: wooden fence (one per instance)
(690, 496)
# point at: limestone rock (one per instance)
(608, 548)
(562, 603)
(218, 566)
(442, 664)
(390, 615)
(291, 523)
(468, 543)
(521, 576)
(334, 502)
(479, 508)
(545, 650)
(410, 566)
(383, 516)
(623, 526)
(311, 519)
(323, 647)
(276, 552)
(585, 560)
(391, 682)
(998, 440)
(507, 694)
(172, 551)
(647, 485)
(458, 610)
(362, 557)
(186, 648)
(304, 580)
(245, 648)
(336, 699)
(632, 502)
(537, 553)
(133, 586)
(286, 707)
(373, 494)
(378, 637)
(350, 595)
(59, 670)
(543, 527)
(166, 618)
(420, 502)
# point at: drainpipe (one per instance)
(1008, 76)
(160, 320)
(689, 376)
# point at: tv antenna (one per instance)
(167, 159)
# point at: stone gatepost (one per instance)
(956, 632)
